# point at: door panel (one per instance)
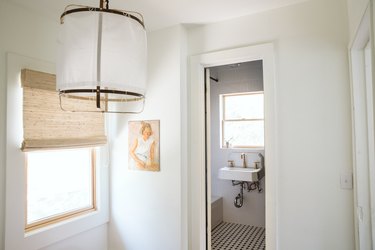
(363, 142)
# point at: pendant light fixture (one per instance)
(102, 57)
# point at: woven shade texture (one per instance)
(46, 126)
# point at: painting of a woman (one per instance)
(143, 146)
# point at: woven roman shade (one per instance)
(46, 126)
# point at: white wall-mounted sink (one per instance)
(239, 173)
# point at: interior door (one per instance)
(371, 134)
(208, 159)
(363, 145)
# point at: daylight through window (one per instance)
(60, 184)
(243, 120)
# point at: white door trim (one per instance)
(361, 131)
(197, 188)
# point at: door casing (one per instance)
(197, 140)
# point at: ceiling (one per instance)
(163, 13)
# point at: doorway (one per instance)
(235, 145)
(200, 209)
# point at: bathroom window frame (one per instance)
(224, 120)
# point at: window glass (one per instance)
(244, 133)
(243, 120)
(244, 106)
(59, 182)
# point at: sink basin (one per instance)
(240, 173)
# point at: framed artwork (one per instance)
(144, 146)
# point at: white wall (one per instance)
(146, 207)
(313, 109)
(94, 239)
(245, 78)
(2, 128)
(26, 33)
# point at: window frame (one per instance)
(62, 216)
(223, 120)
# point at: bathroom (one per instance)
(237, 212)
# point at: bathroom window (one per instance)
(242, 120)
(60, 184)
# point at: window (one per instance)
(60, 173)
(15, 205)
(60, 184)
(243, 120)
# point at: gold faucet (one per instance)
(243, 157)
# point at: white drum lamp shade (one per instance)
(102, 54)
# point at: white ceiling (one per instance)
(163, 13)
